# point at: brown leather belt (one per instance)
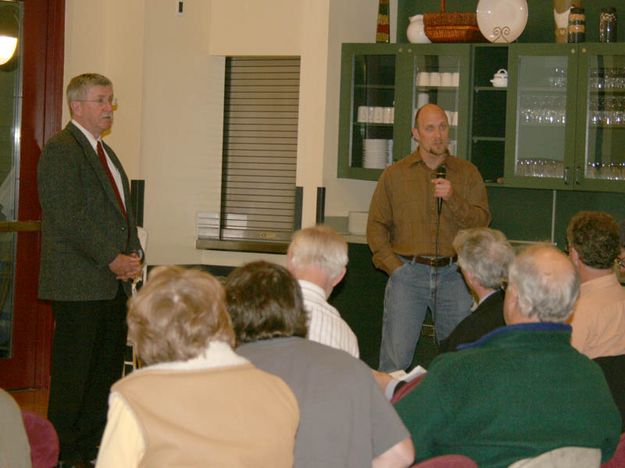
(431, 261)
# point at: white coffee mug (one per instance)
(455, 79)
(435, 79)
(363, 114)
(378, 114)
(388, 115)
(446, 79)
(370, 113)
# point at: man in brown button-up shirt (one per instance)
(403, 222)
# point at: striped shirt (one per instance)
(325, 323)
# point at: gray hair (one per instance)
(485, 253)
(319, 245)
(546, 282)
(79, 85)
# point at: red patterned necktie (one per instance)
(102, 156)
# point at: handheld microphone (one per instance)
(441, 173)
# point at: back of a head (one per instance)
(485, 253)
(595, 237)
(177, 314)
(321, 246)
(264, 301)
(546, 283)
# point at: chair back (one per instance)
(44, 442)
(447, 461)
(614, 370)
(618, 459)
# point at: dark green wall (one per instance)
(539, 23)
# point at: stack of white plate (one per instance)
(376, 153)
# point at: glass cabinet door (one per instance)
(603, 128)
(367, 115)
(542, 146)
(437, 80)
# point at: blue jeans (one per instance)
(410, 291)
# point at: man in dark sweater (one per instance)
(484, 256)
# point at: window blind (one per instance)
(259, 148)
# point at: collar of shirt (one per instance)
(602, 282)
(216, 354)
(93, 141)
(313, 288)
(415, 158)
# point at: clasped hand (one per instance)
(442, 188)
(126, 267)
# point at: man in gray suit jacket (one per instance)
(90, 254)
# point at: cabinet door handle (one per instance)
(578, 175)
(567, 175)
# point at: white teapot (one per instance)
(500, 79)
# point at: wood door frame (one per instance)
(42, 92)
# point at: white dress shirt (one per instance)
(325, 323)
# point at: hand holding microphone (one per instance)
(442, 187)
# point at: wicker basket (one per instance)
(452, 27)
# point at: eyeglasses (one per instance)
(101, 101)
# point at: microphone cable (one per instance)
(441, 173)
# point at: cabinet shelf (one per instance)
(477, 139)
(543, 89)
(489, 89)
(373, 124)
(607, 90)
(374, 86)
(424, 89)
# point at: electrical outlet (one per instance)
(180, 7)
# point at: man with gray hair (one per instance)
(520, 390)
(484, 255)
(599, 315)
(90, 253)
(317, 258)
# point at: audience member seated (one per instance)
(483, 256)
(14, 447)
(196, 403)
(599, 316)
(345, 419)
(317, 257)
(520, 390)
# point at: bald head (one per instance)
(543, 286)
(428, 110)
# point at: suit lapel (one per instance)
(94, 162)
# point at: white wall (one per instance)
(168, 75)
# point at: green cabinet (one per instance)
(382, 86)
(487, 123)
(566, 117)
